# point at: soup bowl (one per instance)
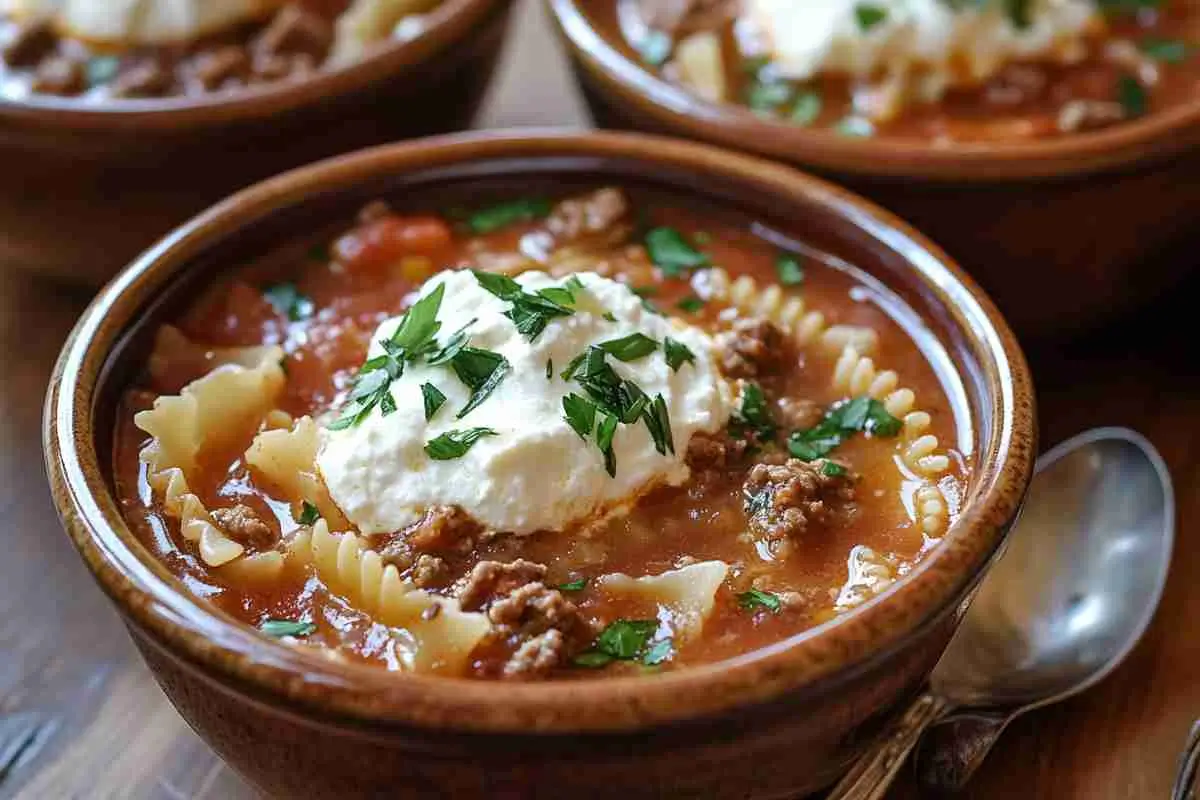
(123, 172)
(1062, 232)
(779, 721)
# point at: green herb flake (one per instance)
(604, 439)
(592, 659)
(482, 371)
(644, 291)
(869, 15)
(860, 415)
(580, 414)
(855, 128)
(287, 300)
(756, 598)
(671, 253)
(529, 312)
(493, 218)
(1020, 13)
(807, 108)
(630, 348)
(102, 69)
(766, 97)
(754, 415)
(1132, 96)
(677, 354)
(309, 514)
(433, 399)
(655, 48)
(788, 269)
(456, 443)
(278, 628)
(1169, 51)
(626, 638)
(608, 316)
(576, 585)
(691, 304)
(549, 369)
(658, 653)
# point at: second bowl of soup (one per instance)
(480, 460)
(1047, 145)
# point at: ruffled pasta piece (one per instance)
(787, 311)
(366, 22)
(260, 569)
(208, 413)
(174, 354)
(439, 641)
(686, 595)
(287, 458)
(869, 573)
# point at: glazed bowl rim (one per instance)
(1158, 135)
(447, 23)
(156, 603)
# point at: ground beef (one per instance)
(429, 571)
(796, 414)
(587, 216)
(61, 76)
(148, 78)
(783, 501)
(751, 349)
(444, 529)
(295, 31)
(244, 526)
(32, 41)
(534, 628)
(218, 67)
(714, 451)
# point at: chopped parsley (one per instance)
(765, 97)
(604, 440)
(609, 316)
(493, 218)
(860, 415)
(102, 69)
(789, 270)
(433, 399)
(278, 628)
(629, 348)
(446, 353)
(756, 598)
(1132, 96)
(287, 300)
(580, 414)
(309, 514)
(690, 304)
(549, 369)
(671, 253)
(530, 312)
(855, 128)
(869, 15)
(807, 108)
(677, 354)
(481, 370)
(455, 444)
(1170, 51)
(627, 640)
(832, 469)
(1020, 12)
(576, 585)
(755, 414)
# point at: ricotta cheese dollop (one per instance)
(950, 44)
(536, 472)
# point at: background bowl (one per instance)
(89, 186)
(1063, 233)
(780, 721)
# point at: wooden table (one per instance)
(91, 723)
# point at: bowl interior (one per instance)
(945, 312)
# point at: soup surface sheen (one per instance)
(946, 72)
(664, 435)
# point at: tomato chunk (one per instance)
(381, 242)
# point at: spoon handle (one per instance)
(953, 749)
(871, 776)
(1189, 766)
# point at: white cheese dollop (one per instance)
(141, 22)
(945, 45)
(536, 473)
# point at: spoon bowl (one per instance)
(1077, 584)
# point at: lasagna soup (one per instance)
(949, 71)
(608, 433)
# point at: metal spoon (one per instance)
(1078, 584)
(1189, 767)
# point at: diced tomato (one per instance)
(380, 243)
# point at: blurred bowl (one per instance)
(1063, 233)
(89, 186)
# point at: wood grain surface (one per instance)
(80, 717)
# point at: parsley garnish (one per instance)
(576, 585)
(1171, 51)
(671, 253)
(754, 415)
(287, 300)
(549, 368)
(455, 444)
(433, 399)
(677, 354)
(767, 96)
(832, 469)
(278, 628)
(627, 640)
(759, 599)
(629, 348)
(446, 353)
(309, 514)
(530, 312)
(502, 215)
(807, 108)
(869, 15)
(1020, 13)
(1132, 96)
(787, 267)
(604, 439)
(855, 128)
(690, 304)
(482, 371)
(862, 414)
(580, 414)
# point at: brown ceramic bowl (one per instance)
(88, 187)
(777, 722)
(1063, 232)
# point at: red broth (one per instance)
(777, 584)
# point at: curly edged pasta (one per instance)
(687, 595)
(175, 354)
(440, 635)
(286, 459)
